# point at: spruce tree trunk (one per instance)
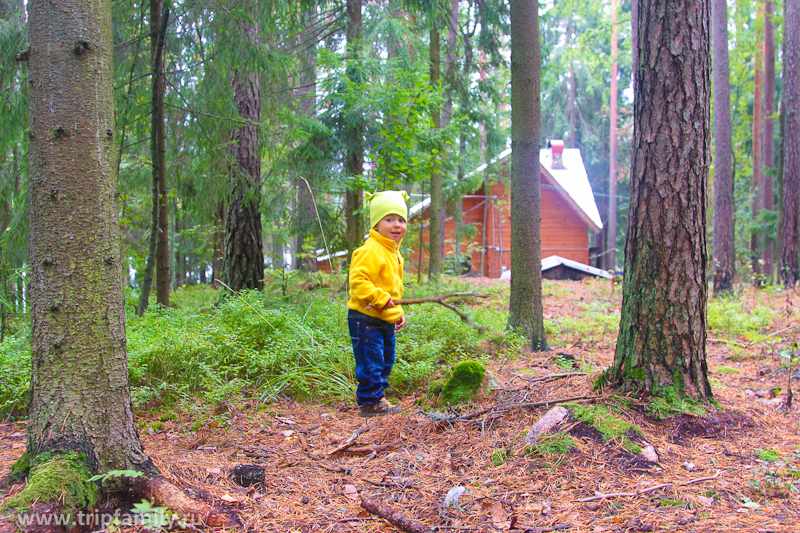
(525, 307)
(244, 248)
(724, 260)
(662, 336)
(437, 209)
(80, 397)
(790, 112)
(156, 257)
(758, 162)
(611, 263)
(159, 143)
(354, 132)
(306, 215)
(769, 135)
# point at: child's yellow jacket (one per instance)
(376, 274)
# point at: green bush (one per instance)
(15, 376)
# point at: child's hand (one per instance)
(400, 323)
(389, 304)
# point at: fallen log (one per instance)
(193, 511)
(395, 518)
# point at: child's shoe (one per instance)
(383, 407)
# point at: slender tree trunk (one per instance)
(525, 310)
(219, 244)
(612, 144)
(80, 396)
(769, 135)
(758, 170)
(662, 336)
(354, 131)
(437, 209)
(157, 254)
(572, 81)
(634, 39)
(244, 249)
(724, 261)
(159, 160)
(790, 270)
(306, 220)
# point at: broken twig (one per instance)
(440, 300)
(398, 520)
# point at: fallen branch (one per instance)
(698, 480)
(440, 300)
(366, 450)
(349, 441)
(165, 494)
(395, 518)
(601, 496)
(508, 407)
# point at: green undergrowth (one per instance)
(263, 345)
(557, 443)
(598, 319)
(730, 317)
(63, 478)
(15, 375)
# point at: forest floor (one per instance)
(733, 469)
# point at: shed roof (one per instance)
(572, 181)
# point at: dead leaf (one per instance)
(214, 471)
(287, 433)
(705, 501)
(228, 498)
(287, 421)
(351, 492)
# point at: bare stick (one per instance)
(440, 300)
(508, 407)
(395, 518)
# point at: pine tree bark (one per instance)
(244, 247)
(526, 314)
(790, 249)
(769, 134)
(80, 396)
(662, 336)
(724, 260)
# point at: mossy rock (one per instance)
(465, 383)
(436, 387)
(64, 478)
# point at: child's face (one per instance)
(392, 227)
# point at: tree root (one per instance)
(395, 518)
(192, 510)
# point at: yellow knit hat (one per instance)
(386, 203)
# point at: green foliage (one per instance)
(768, 456)
(599, 318)
(15, 376)
(775, 477)
(729, 316)
(464, 385)
(63, 478)
(670, 403)
(722, 369)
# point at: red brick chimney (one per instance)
(557, 147)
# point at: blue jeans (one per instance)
(374, 350)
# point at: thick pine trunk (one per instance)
(790, 269)
(80, 397)
(437, 209)
(724, 260)
(662, 335)
(525, 310)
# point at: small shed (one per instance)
(569, 214)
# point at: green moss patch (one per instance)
(610, 427)
(464, 384)
(558, 443)
(64, 478)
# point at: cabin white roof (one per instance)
(572, 181)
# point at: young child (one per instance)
(376, 281)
